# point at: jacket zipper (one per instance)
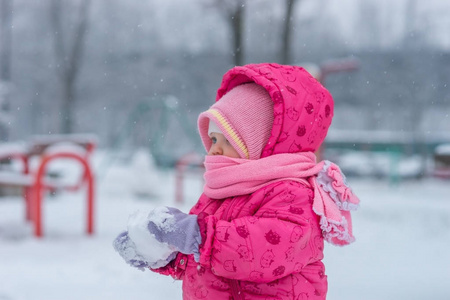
(234, 284)
(235, 290)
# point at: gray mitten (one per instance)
(127, 250)
(178, 229)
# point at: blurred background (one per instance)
(137, 73)
(126, 80)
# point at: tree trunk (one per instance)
(67, 107)
(69, 58)
(286, 35)
(5, 64)
(5, 40)
(410, 38)
(234, 13)
(237, 27)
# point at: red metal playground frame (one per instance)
(35, 184)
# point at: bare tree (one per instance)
(234, 14)
(286, 35)
(368, 24)
(411, 36)
(5, 39)
(69, 49)
(5, 64)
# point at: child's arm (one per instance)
(154, 240)
(281, 238)
(175, 268)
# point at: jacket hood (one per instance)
(303, 108)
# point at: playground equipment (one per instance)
(185, 163)
(321, 72)
(154, 117)
(397, 146)
(442, 161)
(47, 149)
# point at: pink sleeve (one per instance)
(175, 268)
(279, 239)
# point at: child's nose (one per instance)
(215, 150)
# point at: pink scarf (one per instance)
(333, 199)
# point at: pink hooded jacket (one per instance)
(268, 244)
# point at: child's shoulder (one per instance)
(287, 184)
(285, 189)
(284, 199)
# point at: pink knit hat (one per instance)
(245, 116)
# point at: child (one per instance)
(257, 231)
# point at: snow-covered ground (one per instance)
(401, 251)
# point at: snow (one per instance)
(161, 217)
(144, 168)
(443, 149)
(65, 147)
(382, 164)
(74, 138)
(6, 149)
(401, 250)
(13, 178)
(146, 245)
(385, 136)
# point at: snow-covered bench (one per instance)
(33, 181)
(442, 161)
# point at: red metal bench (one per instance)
(48, 149)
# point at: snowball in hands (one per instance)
(152, 250)
(142, 248)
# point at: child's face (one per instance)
(221, 146)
